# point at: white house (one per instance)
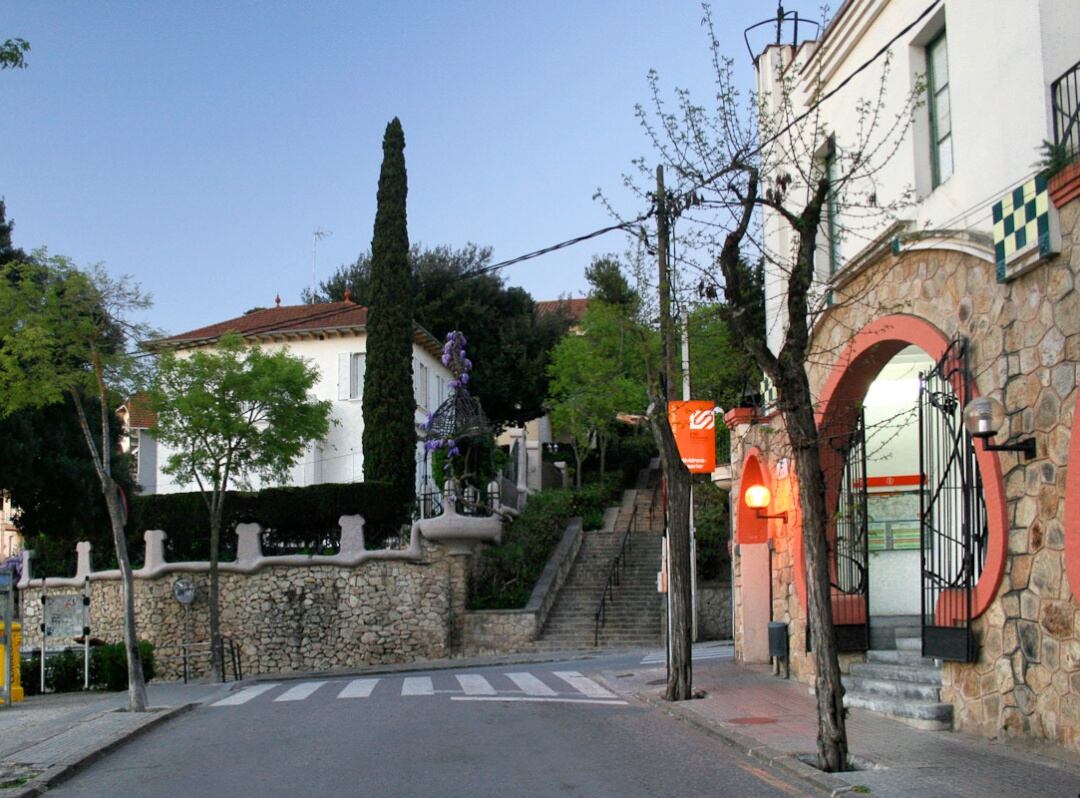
(333, 337)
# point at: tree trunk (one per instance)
(217, 667)
(136, 683)
(803, 434)
(680, 677)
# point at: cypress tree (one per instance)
(389, 404)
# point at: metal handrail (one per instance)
(194, 650)
(614, 579)
(1065, 109)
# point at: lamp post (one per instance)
(757, 498)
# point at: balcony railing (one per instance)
(1065, 109)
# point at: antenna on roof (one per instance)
(318, 234)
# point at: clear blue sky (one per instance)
(197, 145)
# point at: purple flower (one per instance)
(464, 379)
(446, 359)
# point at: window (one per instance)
(937, 89)
(350, 375)
(420, 384)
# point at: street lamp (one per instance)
(983, 417)
(757, 498)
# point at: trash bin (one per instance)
(778, 639)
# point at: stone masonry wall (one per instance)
(714, 611)
(1025, 347)
(292, 618)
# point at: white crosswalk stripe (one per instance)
(475, 684)
(358, 688)
(417, 685)
(530, 685)
(584, 685)
(300, 692)
(569, 687)
(245, 695)
(712, 651)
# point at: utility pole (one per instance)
(676, 479)
(316, 236)
(693, 532)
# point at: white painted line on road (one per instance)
(417, 685)
(529, 684)
(245, 695)
(584, 684)
(358, 688)
(538, 700)
(475, 684)
(300, 692)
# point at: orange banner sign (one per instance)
(694, 425)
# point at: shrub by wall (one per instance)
(64, 671)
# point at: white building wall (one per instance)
(338, 457)
(1003, 55)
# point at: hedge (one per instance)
(64, 671)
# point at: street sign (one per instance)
(694, 426)
(64, 615)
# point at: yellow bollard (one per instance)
(16, 641)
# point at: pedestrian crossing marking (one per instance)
(358, 688)
(417, 685)
(584, 685)
(245, 695)
(711, 651)
(530, 685)
(475, 684)
(540, 700)
(300, 692)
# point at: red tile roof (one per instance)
(139, 413)
(573, 308)
(289, 321)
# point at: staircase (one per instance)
(901, 683)
(634, 609)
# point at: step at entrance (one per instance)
(901, 683)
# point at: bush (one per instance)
(64, 671)
(295, 520)
(711, 530)
(504, 576)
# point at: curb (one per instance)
(66, 768)
(830, 785)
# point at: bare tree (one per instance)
(738, 167)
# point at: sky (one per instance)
(197, 146)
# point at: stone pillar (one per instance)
(534, 466)
(352, 534)
(248, 544)
(82, 567)
(155, 549)
(518, 438)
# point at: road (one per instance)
(549, 729)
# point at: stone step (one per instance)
(909, 644)
(908, 631)
(916, 691)
(903, 673)
(931, 716)
(889, 657)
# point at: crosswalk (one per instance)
(555, 686)
(701, 652)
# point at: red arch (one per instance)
(1072, 508)
(857, 367)
(751, 528)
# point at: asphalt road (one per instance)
(521, 730)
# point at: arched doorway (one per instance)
(923, 514)
(755, 564)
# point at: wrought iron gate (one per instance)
(849, 553)
(951, 509)
(850, 587)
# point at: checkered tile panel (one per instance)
(1022, 224)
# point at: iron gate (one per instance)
(849, 552)
(951, 508)
(850, 588)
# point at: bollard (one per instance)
(16, 641)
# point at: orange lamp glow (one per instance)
(757, 497)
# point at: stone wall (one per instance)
(1025, 347)
(714, 610)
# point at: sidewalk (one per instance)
(776, 720)
(46, 739)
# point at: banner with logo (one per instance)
(694, 425)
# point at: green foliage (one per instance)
(13, 53)
(234, 413)
(501, 324)
(504, 576)
(389, 441)
(712, 531)
(609, 284)
(1053, 158)
(477, 464)
(64, 670)
(721, 370)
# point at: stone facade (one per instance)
(1025, 349)
(714, 610)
